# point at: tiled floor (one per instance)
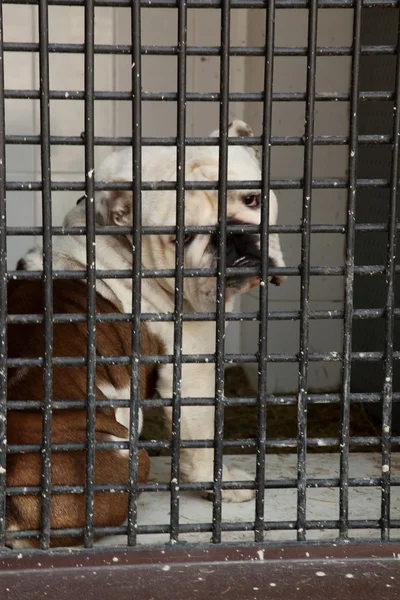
(280, 504)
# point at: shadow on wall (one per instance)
(374, 161)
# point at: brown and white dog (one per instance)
(158, 252)
(23, 512)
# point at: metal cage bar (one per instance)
(239, 526)
(284, 315)
(382, 96)
(287, 315)
(47, 272)
(221, 271)
(264, 247)
(276, 184)
(349, 278)
(333, 442)
(356, 482)
(202, 358)
(272, 400)
(215, 4)
(91, 273)
(179, 265)
(305, 274)
(112, 230)
(276, 140)
(137, 265)
(152, 273)
(3, 297)
(157, 50)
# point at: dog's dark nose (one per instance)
(242, 250)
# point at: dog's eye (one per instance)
(186, 240)
(252, 201)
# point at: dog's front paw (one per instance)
(234, 495)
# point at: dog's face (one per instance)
(201, 208)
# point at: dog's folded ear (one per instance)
(238, 128)
(120, 207)
(119, 204)
(112, 208)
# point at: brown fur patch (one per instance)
(69, 383)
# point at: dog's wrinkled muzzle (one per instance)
(243, 251)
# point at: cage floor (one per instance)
(240, 422)
(280, 504)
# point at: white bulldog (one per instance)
(158, 252)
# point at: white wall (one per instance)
(159, 119)
(66, 25)
(20, 119)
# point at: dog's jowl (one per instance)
(158, 252)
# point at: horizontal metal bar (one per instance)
(206, 527)
(162, 359)
(276, 184)
(164, 229)
(234, 4)
(126, 49)
(170, 273)
(17, 94)
(289, 400)
(279, 484)
(290, 315)
(271, 443)
(319, 140)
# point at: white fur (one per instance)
(124, 452)
(159, 208)
(121, 414)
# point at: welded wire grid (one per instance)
(304, 315)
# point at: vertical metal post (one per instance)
(305, 273)
(137, 264)
(349, 279)
(3, 295)
(91, 271)
(264, 246)
(179, 264)
(221, 266)
(47, 270)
